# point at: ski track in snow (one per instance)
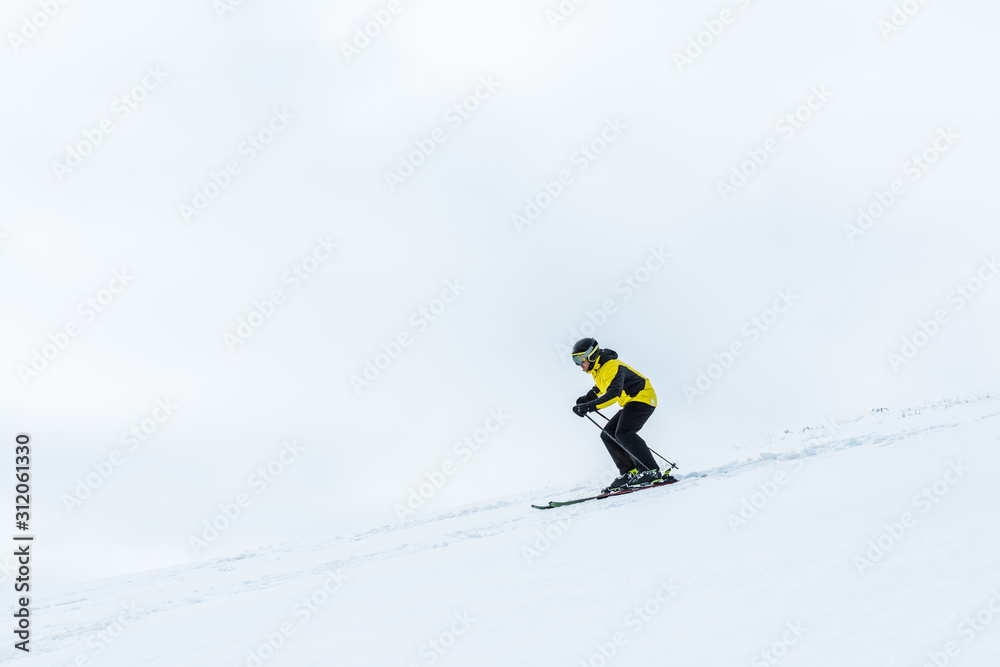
(64, 618)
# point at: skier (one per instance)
(618, 382)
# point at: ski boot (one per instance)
(654, 476)
(621, 481)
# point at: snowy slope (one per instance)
(872, 542)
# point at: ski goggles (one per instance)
(579, 357)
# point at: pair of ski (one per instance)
(553, 503)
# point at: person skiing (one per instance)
(618, 382)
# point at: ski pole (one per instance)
(615, 440)
(672, 465)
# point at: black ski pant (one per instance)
(624, 426)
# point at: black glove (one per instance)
(582, 409)
(589, 396)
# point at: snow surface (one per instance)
(670, 573)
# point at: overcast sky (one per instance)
(217, 216)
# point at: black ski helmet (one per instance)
(585, 348)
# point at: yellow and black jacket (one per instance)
(618, 382)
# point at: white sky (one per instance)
(495, 347)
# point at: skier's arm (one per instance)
(615, 390)
(588, 397)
